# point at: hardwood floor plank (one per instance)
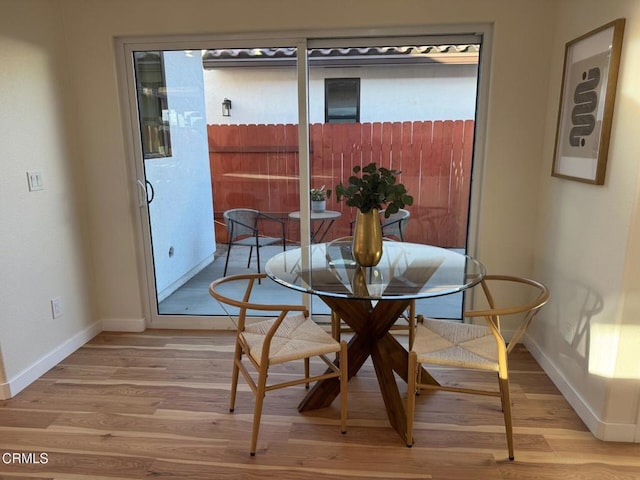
(21, 419)
(129, 406)
(59, 465)
(173, 471)
(549, 471)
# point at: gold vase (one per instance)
(367, 238)
(359, 283)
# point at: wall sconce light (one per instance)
(226, 107)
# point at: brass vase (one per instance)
(367, 238)
(359, 283)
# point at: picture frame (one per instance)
(585, 114)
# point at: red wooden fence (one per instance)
(256, 166)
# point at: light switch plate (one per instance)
(56, 307)
(35, 180)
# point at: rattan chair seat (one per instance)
(441, 342)
(296, 338)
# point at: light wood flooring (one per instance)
(155, 405)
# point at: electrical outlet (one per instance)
(56, 307)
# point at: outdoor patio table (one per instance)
(370, 300)
(321, 218)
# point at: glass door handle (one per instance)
(148, 193)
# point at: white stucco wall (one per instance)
(181, 212)
(387, 94)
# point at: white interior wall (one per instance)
(586, 247)
(42, 253)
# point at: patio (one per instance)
(257, 166)
(193, 297)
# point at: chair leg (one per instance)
(411, 395)
(226, 262)
(257, 259)
(306, 372)
(284, 239)
(234, 377)
(344, 379)
(257, 411)
(506, 407)
(249, 261)
(412, 323)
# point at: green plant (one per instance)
(319, 194)
(376, 188)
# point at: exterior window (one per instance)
(342, 100)
(152, 101)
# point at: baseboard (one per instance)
(25, 378)
(5, 391)
(124, 324)
(610, 432)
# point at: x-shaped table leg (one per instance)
(371, 339)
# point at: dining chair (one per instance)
(291, 335)
(244, 229)
(474, 346)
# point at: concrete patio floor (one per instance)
(193, 297)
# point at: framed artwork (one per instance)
(586, 104)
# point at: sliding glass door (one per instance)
(220, 127)
(407, 104)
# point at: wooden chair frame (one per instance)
(337, 368)
(492, 316)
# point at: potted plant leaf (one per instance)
(374, 189)
(318, 199)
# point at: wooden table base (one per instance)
(371, 339)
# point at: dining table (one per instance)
(370, 300)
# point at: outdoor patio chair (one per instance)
(290, 336)
(244, 229)
(473, 346)
(396, 224)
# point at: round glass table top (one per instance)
(406, 270)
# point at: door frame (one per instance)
(125, 46)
